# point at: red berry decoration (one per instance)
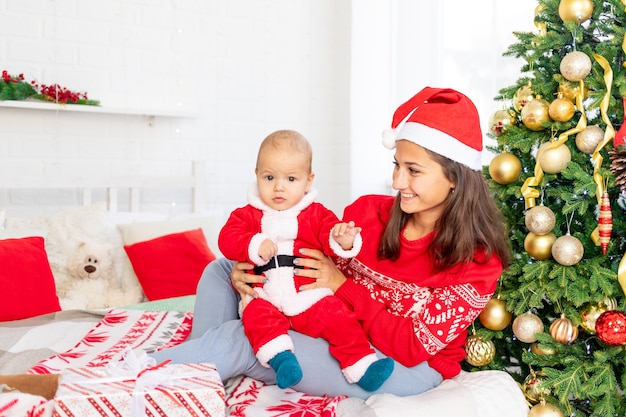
(611, 327)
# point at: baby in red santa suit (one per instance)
(281, 217)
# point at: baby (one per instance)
(282, 217)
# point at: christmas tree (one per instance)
(557, 321)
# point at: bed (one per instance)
(152, 312)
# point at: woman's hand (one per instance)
(321, 268)
(240, 278)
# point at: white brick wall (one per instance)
(236, 70)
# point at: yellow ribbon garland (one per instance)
(531, 194)
(609, 134)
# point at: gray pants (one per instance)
(217, 336)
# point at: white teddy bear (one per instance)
(91, 281)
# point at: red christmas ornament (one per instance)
(611, 327)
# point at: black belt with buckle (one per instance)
(276, 262)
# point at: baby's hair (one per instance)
(288, 138)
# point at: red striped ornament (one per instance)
(605, 222)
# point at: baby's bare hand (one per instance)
(267, 250)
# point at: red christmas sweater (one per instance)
(407, 311)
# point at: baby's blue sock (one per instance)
(287, 368)
(376, 374)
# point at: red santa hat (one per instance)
(441, 120)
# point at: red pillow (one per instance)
(26, 279)
(170, 265)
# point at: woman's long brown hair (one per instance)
(470, 220)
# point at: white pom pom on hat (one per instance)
(442, 120)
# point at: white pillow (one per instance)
(63, 231)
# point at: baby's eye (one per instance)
(269, 177)
(291, 179)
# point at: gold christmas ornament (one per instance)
(567, 250)
(570, 90)
(563, 330)
(553, 160)
(535, 113)
(500, 121)
(544, 409)
(591, 311)
(575, 66)
(576, 11)
(505, 168)
(526, 326)
(523, 96)
(479, 352)
(540, 220)
(588, 139)
(539, 246)
(538, 349)
(495, 316)
(561, 109)
(533, 388)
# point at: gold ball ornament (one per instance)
(561, 109)
(576, 11)
(505, 168)
(523, 96)
(570, 90)
(539, 246)
(533, 388)
(563, 330)
(591, 311)
(567, 250)
(553, 159)
(540, 220)
(539, 349)
(495, 316)
(526, 326)
(535, 113)
(479, 352)
(544, 409)
(575, 66)
(500, 121)
(588, 139)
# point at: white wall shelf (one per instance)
(80, 108)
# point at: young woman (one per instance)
(430, 261)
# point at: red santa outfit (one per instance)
(281, 305)
(413, 314)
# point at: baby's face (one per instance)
(282, 177)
